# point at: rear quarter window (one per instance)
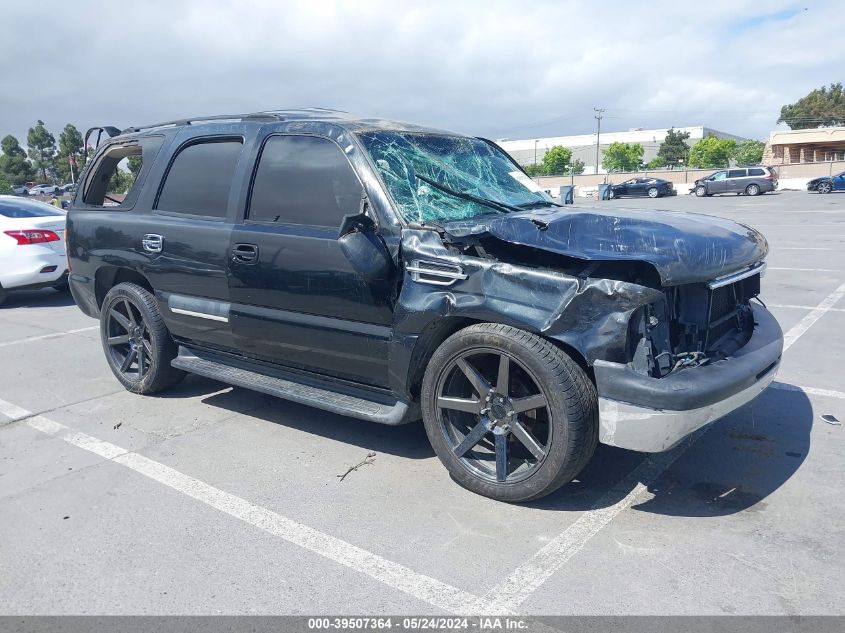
(756, 172)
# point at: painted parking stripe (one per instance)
(815, 314)
(404, 579)
(814, 391)
(788, 305)
(12, 411)
(43, 337)
(806, 270)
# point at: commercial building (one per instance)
(583, 146)
(813, 145)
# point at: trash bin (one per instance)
(566, 194)
(604, 192)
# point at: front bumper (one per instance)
(654, 414)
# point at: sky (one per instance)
(488, 67)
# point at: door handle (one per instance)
(152, 243)
(245, 253)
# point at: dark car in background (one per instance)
(651, 187)
(826, 184)
(751, 181)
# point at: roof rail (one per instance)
(252, 116)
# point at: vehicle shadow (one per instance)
(44, 298)
(732, 467)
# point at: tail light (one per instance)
(33, 236)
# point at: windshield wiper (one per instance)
(493, 204)
(539, 203)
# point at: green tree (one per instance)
(712, 152)
(42, 148)
(623, 157)
(556, 160)
(673, 149)
(577, 166)
(134, 163)
(655, 163)
(749, 152)
(822, 107)
(533, 169)
(5, 187)
(70, 142)
(13, 162)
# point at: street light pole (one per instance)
(536, 140)
(598, 117)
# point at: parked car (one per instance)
(20, 190)
(826, 184)
(32, 246)
(388, 272)
(751, 181)
(67, 188)
(651, 187)
(43, 190)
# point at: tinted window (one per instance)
(199, 179)
(756, 172)
(27, 209)
(736, 173)
(303, 180)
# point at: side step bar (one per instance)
(326, 400)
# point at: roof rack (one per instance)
(264, 115)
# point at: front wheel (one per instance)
(137, 344)
(653, 192)
(701, 191)
(509, 414)
(824, 187)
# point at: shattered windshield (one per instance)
(440, 178)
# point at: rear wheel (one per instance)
(653, 192)
(701, 191)
(509, 414)
(752, 189)
(824, 187)
(137, 344)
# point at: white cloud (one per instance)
(493, 68)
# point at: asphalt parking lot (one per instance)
(215, 500)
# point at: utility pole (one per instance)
(599, 112)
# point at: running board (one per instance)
(324, 399)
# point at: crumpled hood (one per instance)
(683, 247)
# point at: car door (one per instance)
(736, 181)
(839, 182)
(298, 300)
(186, 236)
(716, 182)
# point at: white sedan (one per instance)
(32, 245)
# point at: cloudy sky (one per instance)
(499, 69)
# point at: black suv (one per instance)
(389, 272)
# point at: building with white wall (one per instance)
(583, 146)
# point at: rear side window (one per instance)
(113, 181)
(756, 172)
(200, 177)
(27, 209)
(304, 180)
(736, 173)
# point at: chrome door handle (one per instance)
(152, 243)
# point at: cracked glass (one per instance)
(453, 166)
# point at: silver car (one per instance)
(751, 181)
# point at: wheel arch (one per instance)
(107, 277)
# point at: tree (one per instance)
(674, 149)
(556, 160)
(577, 166)
(623, 157)
(749, 152)
(533, 169)
(13, 163)
(70, 143)
(5, 187)
(655, 163)
(822, 107)
(712, 152)
(42, 148)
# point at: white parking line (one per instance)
(828, 393)
(404, 579)
(802, 248)
(807, 270)
(42, 337)
(789, 305)
(815, 314)
(12, 411)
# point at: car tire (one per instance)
(133, 333)
(62, 287)
(752, 189)
(824, 187)
(488, 440)
(611, 194)
(3, 296)
(653, 192)
(701, 191)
